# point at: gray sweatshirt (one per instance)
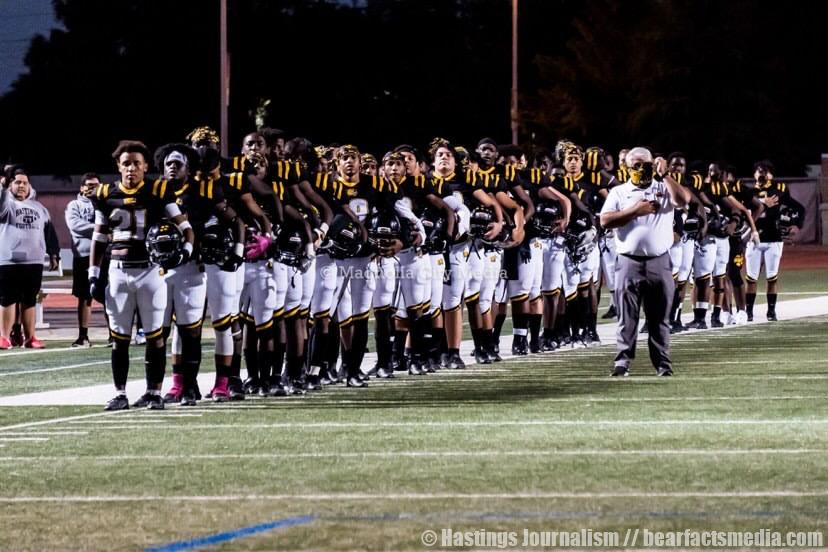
(80, 219)
(23, 227)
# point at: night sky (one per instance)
(20, 20)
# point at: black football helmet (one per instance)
(435, 229)
(344, 238)
(547, 216)
(216, 245)
(383, 228)
(165, 244)
(579, 222)
(290, 248)
(580, 245)
(787, 218)
(479, 221)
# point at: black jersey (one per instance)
(767, 224)
(460, 186)
(360, 196)
(595, 185)
(199, 200)
(130, 212)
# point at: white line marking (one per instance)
(495, 423)
(124, 418)
(54, 369)
(6, 439)
(59, 420)
(417, 496)
(41, 433)
(416, 454)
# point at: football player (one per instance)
(187, 283)
(781, 218)
(462, 193)
(723, 212)
(583, 258)
(690, 223)
(127, 209)
(225, 273)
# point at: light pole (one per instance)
(514, 109)
(224, 80)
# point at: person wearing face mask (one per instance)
(641, 212)
(80, 219)
(26, 237)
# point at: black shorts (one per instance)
(20, 284)
(80, 278)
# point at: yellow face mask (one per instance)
(641, 174)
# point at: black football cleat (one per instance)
(519, 346)
(481, 356)
(772, 316)
(611, 313)
(535, 346)
(716, 322)
(549, 344)
(620, 371)
(150, 402)
(644, 329)
(494, 354)
(251, 386)
(356, 382)
(456, 363)
(382, 373)
(119, 402)
(664, 372)
(697, 325)
(188, 398)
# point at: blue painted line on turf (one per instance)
(227, 536)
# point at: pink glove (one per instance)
(257, 247)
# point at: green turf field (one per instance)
(736, 441)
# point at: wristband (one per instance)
(188, 247)
(184, 225)
(324, 228)
(100, 237)
(93, 272)
(238, 250)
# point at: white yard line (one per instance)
(41, 433)
(414, 454)
(58, 420)
(427, 424)
(7, 439)
(415, 496)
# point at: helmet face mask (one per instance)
(344, 239)
(164, 244)
(384, 230)
(290, 248)
(216, 245)
(547, 216)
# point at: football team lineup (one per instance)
(470, 296)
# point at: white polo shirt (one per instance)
(650, 235)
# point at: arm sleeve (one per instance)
(611, 204)
(5, 201)
(76, 223)
(404, 211)
(52, 243)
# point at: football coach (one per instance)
(641, 210)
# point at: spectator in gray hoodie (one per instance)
(26, 236)
(80, 219)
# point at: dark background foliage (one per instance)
(731, 80)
